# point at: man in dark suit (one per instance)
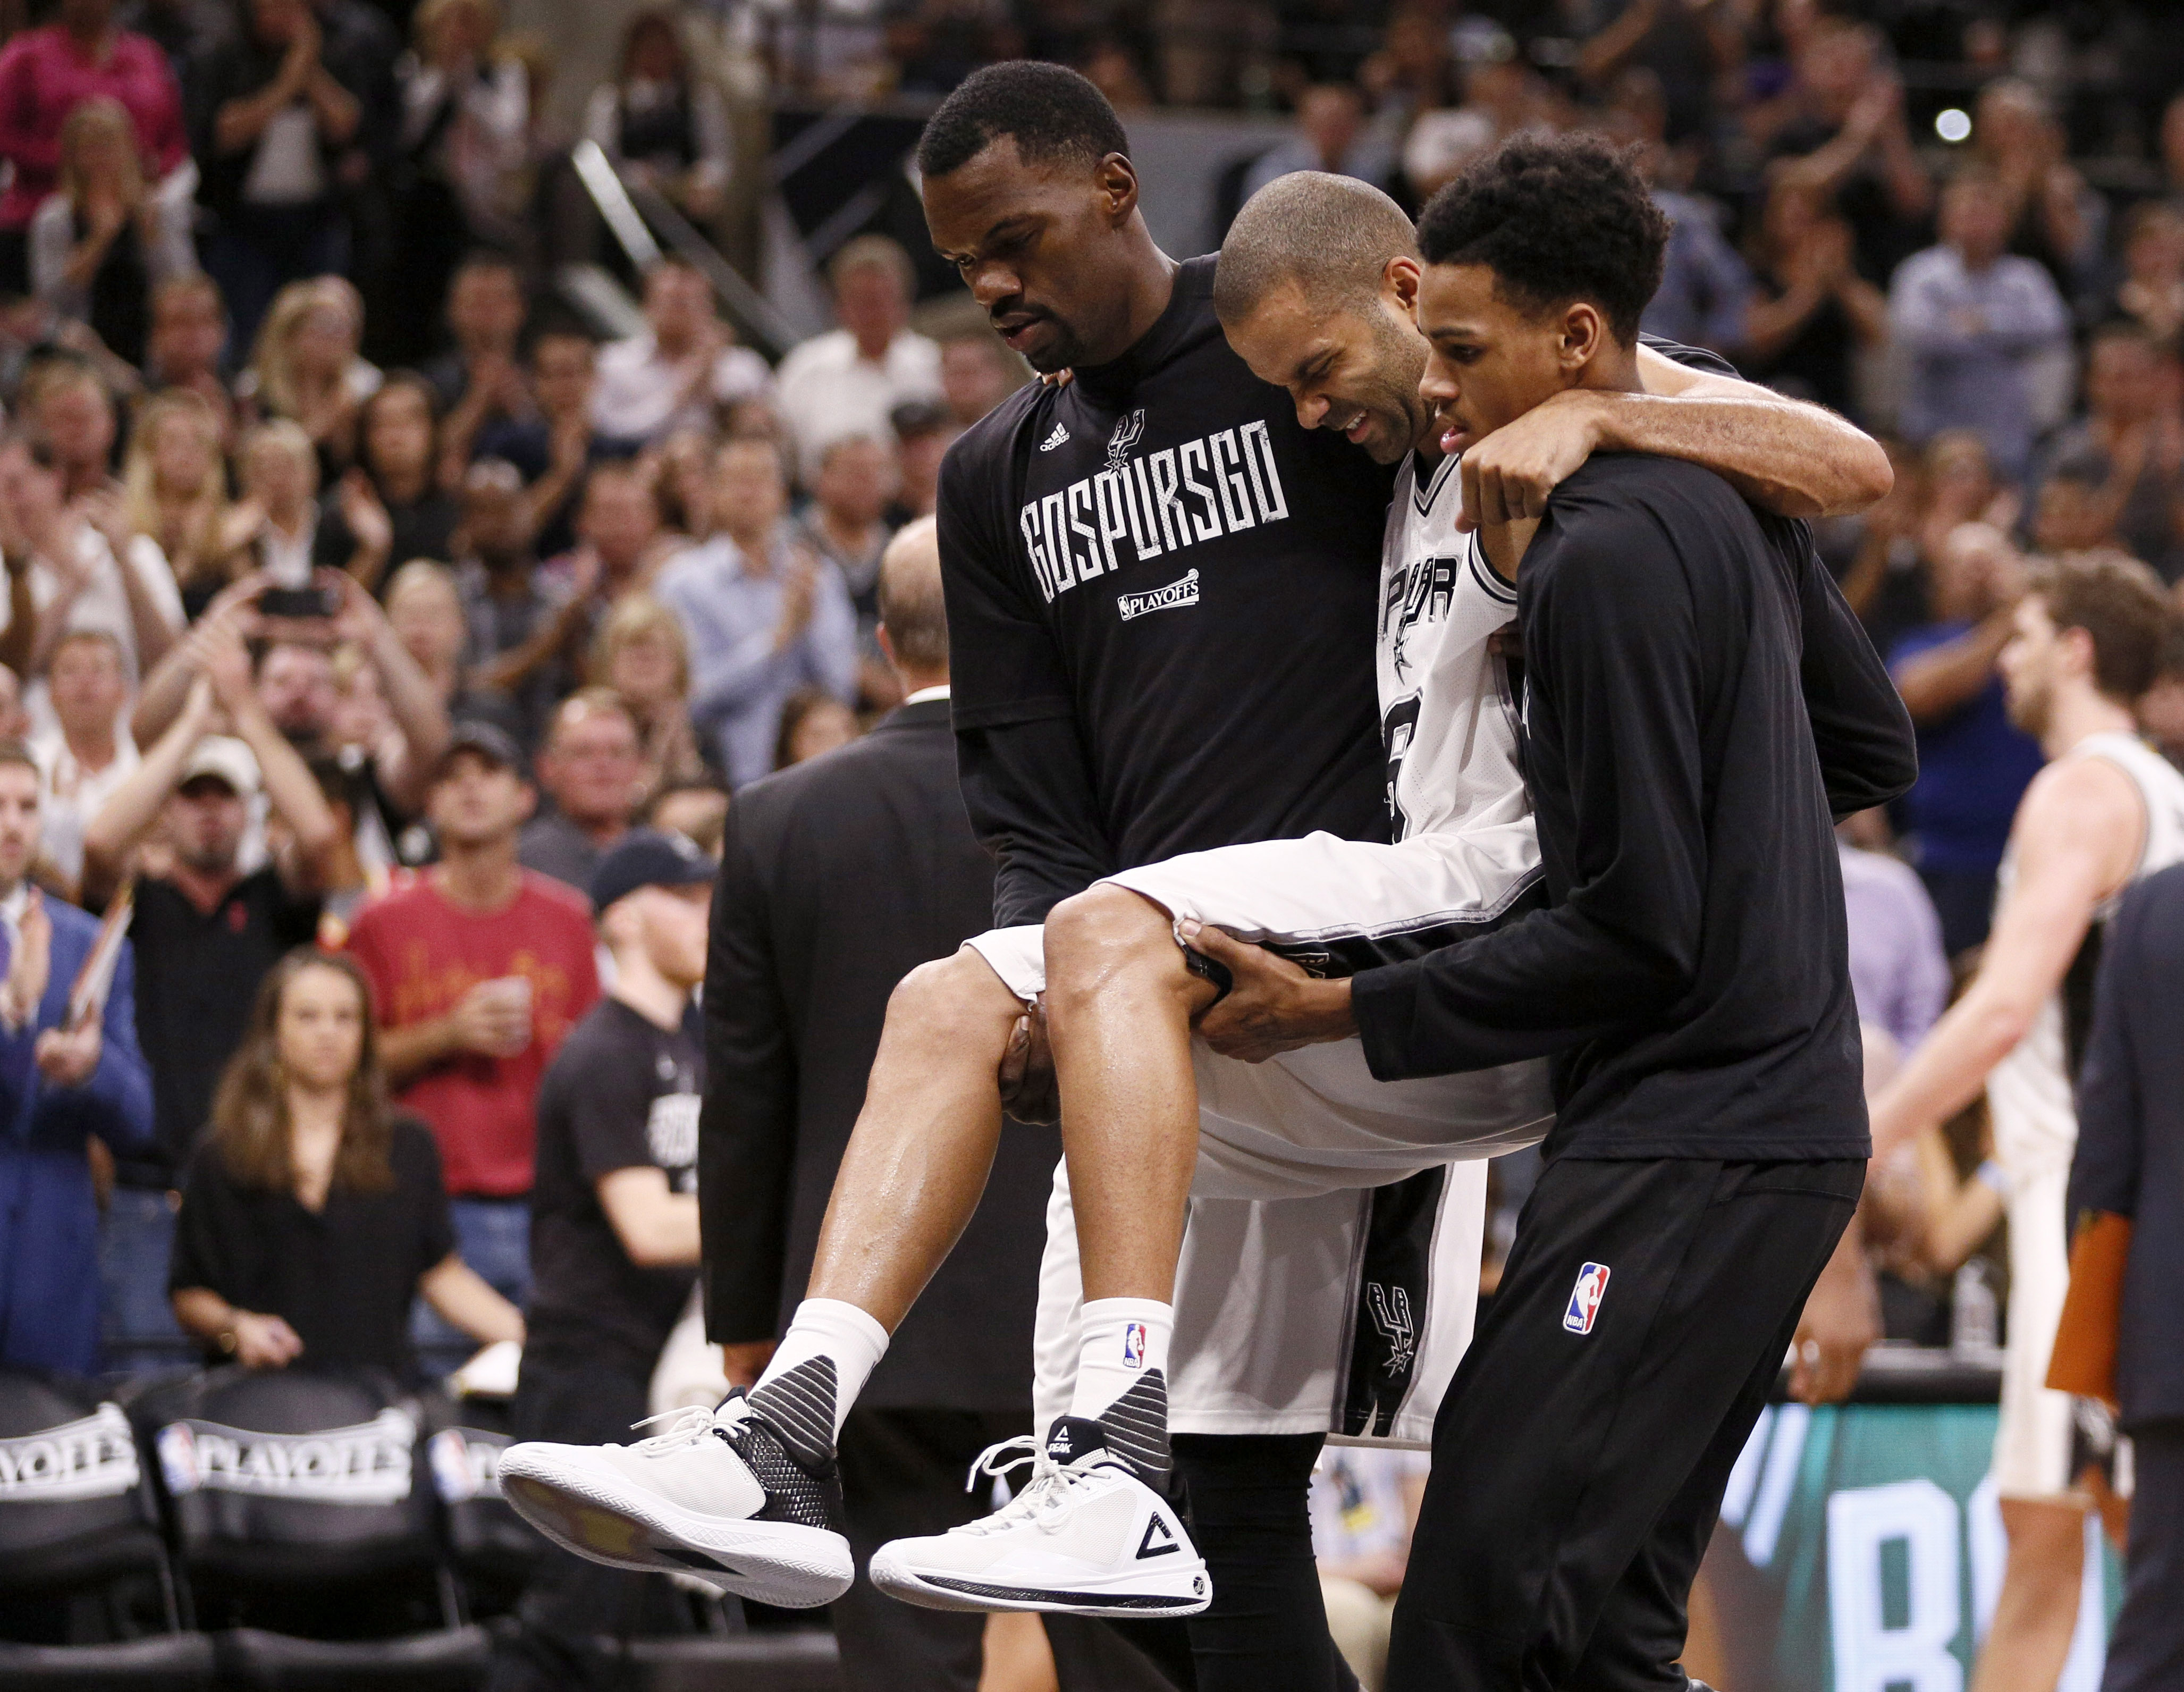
(841, 876)
(2130, 1162)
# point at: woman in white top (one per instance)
(306, 368)
(76, 580)
(175, 489)
(104, 239)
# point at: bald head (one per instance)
(913, 615)
(1332, 236)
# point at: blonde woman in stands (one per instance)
(305, 367)
(175, 489)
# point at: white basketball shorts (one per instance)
(1314, 1121)
(1330, 1264)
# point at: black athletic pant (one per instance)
(2146, 1650)
(1577, 1475)
(1246, 1499)
(902, 1475)
(902, 1478)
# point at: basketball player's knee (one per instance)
(952, 1006)
(1106, 935)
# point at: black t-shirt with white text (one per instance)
(623, 1092)
(1161, 592)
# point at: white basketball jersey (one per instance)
(2029, 1092)
(1448, 718)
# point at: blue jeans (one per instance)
(493, 1235)
(137, 1327)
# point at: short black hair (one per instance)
(1051, 113)
(1557, 219)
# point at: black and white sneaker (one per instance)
(1085, 1537)
(718, 1494)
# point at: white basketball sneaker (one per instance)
(1086, 1537)
(716, 1494)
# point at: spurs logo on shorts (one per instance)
(1391, 1316)
(1584, 1297)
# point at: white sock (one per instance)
(815, 1373)
(1121, 1378)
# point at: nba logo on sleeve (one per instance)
(1133, 1345)
(1584, 1297)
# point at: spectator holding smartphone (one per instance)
(205, 933)
(479, 968)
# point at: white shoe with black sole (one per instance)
(715, 1495)
(1084, 1537)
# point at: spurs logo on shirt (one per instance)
(1151, 504)
(1447, 721)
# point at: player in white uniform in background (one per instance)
(1270, 1280)
(2107, 810)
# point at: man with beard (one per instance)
(205, 932)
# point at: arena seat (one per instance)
(771, 1660)
(494, 1549)
(309, 1540)
(88, 1597)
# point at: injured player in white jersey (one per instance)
(1091, 1532)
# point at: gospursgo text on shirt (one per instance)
(1165, 501)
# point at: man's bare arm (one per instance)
(2077, 835)
(1784, 456)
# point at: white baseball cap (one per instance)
(225, 758)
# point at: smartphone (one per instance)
(297, 602)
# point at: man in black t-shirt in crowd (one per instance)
(204, 933)
(614, 1228)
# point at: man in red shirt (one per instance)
(45, 71)
(479, 968)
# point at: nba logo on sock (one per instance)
(1584, 1297)
(1133, 1345)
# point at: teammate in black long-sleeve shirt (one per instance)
(1689, 979)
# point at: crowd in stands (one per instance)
(359, 596)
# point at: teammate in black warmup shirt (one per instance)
(1689, 978)
(1099, 726)
(614, 1233)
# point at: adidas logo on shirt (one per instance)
(1059, 436)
